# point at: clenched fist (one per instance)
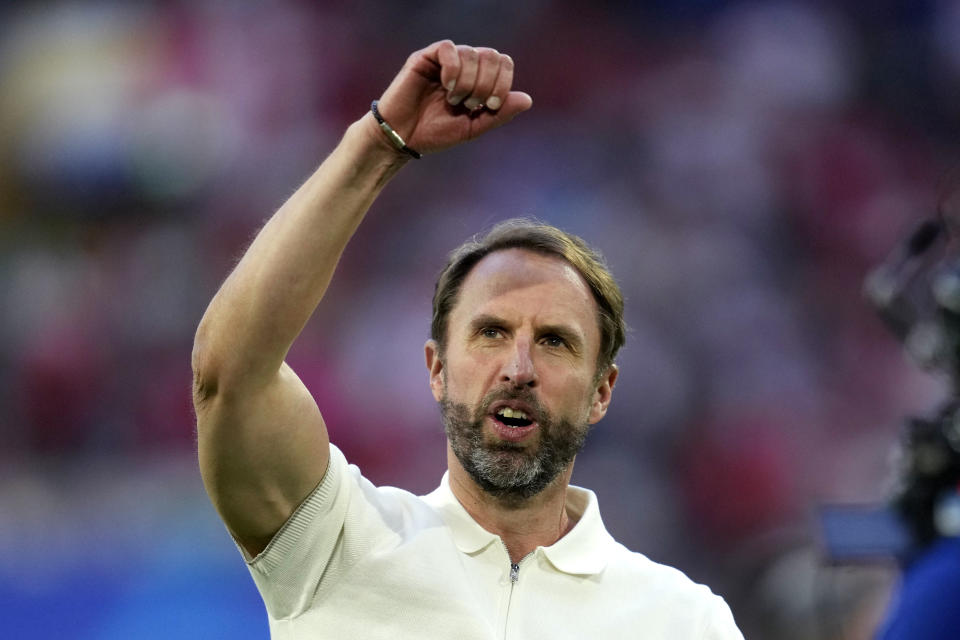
(447, 94)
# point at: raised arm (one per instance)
(263, 444)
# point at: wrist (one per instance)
(376, 143)
(367, 159)
(395, 138)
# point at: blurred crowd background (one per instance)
(741, 164)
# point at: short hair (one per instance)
(532, 235)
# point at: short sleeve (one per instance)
(289, 571)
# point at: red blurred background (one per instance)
(742, 165)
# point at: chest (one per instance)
(437, 591)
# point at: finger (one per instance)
(467, 77)
(514, 104)
(501, 87)
(488, 68)
(449, 64)
(484, 120)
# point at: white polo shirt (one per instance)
(358, 561)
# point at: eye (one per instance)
(553, 340)
(490, 332)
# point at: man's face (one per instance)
(517, 384)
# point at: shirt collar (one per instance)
(583, 551)
(586, 549)
(469, 536)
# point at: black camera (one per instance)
(916, 292)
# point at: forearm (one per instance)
(267, 299)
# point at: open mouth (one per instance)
(513, 417)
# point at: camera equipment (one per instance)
(916, 291)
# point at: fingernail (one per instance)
(451, 85)
(493, 103)
(452, 99)
(471, 103)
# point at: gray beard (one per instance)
(511, 473)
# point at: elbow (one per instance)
(204, 371)
(226, 365)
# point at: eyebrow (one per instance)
(569, 335)
(486, 320)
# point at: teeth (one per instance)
(507, 412)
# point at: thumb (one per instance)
(516, 103)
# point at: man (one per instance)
(526, 326)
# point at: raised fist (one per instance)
(447, 94)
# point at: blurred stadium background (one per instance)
(741, 164)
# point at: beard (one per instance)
(511, 472)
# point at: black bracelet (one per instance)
(393, 135)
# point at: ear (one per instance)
(603, 393)
(431, 350)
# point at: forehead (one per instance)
(523, 280)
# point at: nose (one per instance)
(519, 369)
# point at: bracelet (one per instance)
(393, 135)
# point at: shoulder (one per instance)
(925, 605)
(938, 565)
(633, 567)
(393, 508)
(933, 580)
(622, 566)
(665, 598)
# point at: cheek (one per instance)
(458, 382)
(581, 399)
(470, 367)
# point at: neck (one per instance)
(538, 521)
